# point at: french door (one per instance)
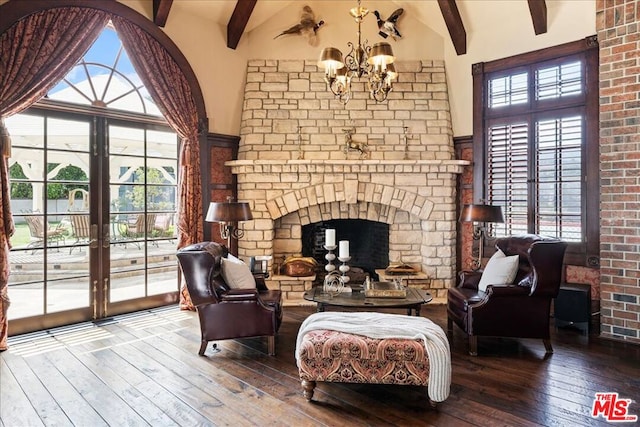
(93, 200)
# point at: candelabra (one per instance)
(300, 152)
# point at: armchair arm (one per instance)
(497, 295)
(234, 295)
(497, 291)
(469, 279)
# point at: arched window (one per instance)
(106, 78)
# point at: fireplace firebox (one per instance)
(368, 242)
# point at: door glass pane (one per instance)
(142, 183)
(50, 159)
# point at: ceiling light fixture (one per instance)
(375, 62)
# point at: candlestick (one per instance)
(330, 256)
(344, 268)
(344, 249)
(330, 237)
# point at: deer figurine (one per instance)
(351, 145)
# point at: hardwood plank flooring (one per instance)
(143, 369)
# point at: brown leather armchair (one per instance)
(520, 309)
(227, 313)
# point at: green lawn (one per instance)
(22, 237)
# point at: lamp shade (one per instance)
(229, 212)
(381, 54)
(481, 213)
(331, 59)
(391, 72)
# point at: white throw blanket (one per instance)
(382, 326)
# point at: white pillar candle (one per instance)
(330, 237)
(344, 249)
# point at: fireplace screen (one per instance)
(368, 242)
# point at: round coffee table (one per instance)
(356, 299)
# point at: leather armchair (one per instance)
(227, 313)
(520, 309)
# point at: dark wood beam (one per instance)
(455, 26)
(161, 10)
(538, 9)
(238, 21)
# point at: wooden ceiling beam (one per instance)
(161, 10)
(538, 9)
(452, 18)
(238, 21)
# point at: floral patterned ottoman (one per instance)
(338, 356)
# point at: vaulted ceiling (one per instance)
(243, 15)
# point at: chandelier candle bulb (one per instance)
(344, 249)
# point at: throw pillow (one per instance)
(232, 258)
(237, 274)
(500, 270)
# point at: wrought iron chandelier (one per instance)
(374, 62)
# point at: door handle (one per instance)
(93, 243)
(106, 236)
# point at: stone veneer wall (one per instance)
(293, 171)
(281, 96)
(619, 39)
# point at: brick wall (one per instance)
(619, 39)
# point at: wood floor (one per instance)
(142, 369)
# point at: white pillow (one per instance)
(231, 257)
(237, 274)
(500, 270)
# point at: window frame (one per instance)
(584, 253)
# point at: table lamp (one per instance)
(480, 215)
(227, 214)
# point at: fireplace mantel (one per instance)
(346, 162)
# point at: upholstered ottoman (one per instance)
(373, 348)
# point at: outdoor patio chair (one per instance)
(81, 229)
(137, 228)
(40, 231)
(163, 225)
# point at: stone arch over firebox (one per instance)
(420, 231)
(351, 193)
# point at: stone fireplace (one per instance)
(293, 170)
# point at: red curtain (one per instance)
(170, 90)
(35, 54)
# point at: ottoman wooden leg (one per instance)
(307, 389)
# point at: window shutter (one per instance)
(507, 174)
(559, 171)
